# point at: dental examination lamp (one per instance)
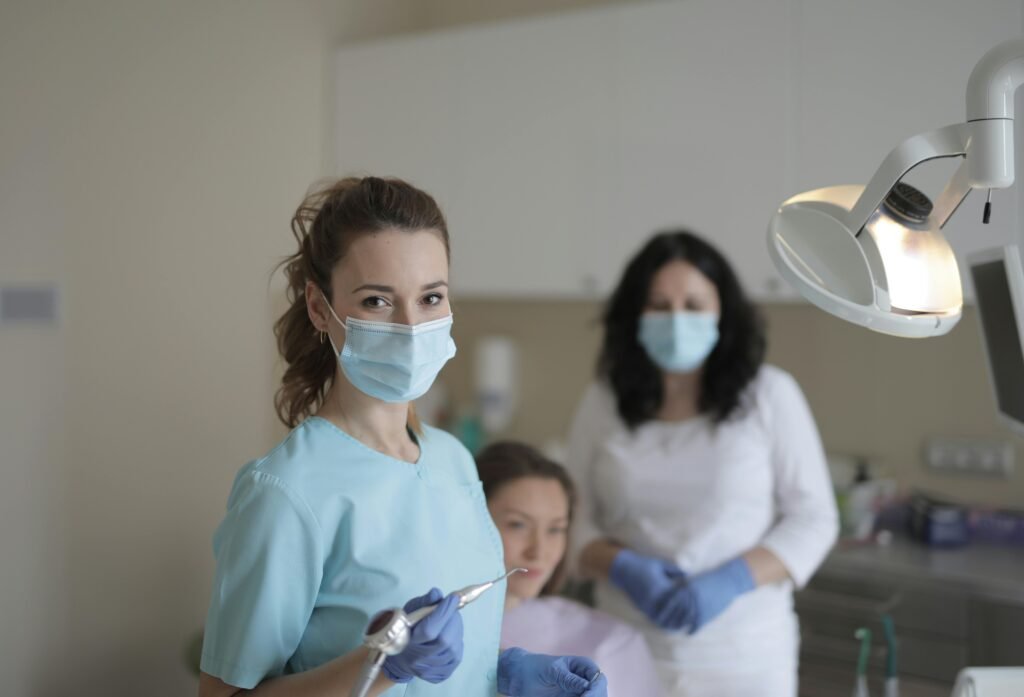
(875, 255)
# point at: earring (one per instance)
(322, 337)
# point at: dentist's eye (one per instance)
(433, 299)
(375, 301)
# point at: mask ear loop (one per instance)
(335, 316)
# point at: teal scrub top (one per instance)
(323, 532)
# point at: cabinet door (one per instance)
(929, 623)
(703, 98)
(510, 128)
(534, 113)
(392, 112)
(996, 633)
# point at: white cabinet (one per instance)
(702, 100)
(508, 127)
(557, 145)
(529, 205)
(393, 110)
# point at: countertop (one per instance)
(996, 572)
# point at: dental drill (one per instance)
(389, 631)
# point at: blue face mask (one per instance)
(394, 362)
(678, 342)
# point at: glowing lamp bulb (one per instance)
(920, 268)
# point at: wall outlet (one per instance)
(987, 457)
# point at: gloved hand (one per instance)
(523, 674)
(701, 598)
(435, 645)
(646, 580)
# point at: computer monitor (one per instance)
(999, 291)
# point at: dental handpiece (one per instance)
(389, 631)
(466, 596)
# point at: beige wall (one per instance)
(150, 154)
(872, 395)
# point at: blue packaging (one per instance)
(938, 523)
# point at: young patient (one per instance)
(531, 500)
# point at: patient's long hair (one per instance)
(507, 461)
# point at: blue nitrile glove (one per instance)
(646, 580)
(435, 645)
(524, 674)
(703, 597)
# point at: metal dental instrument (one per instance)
(389, 630)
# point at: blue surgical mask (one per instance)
(678, 342)
(394, 362)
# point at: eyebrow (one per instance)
(527, 515)
(391, 289)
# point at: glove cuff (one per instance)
(739, 575)
(619, 569)
(509, 681)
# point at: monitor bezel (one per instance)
(1009, 255)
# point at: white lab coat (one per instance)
(701, 494)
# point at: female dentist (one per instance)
(705, 497)
(360, 507)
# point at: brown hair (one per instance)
(325, 224)
(506, 461)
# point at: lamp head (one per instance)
(897, 275)
(876, 255)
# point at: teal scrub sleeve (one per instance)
(269, 566)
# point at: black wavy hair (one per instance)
(735, 360)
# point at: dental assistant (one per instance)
(362, 508)
(704, 493)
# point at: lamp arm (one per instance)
(952, 196)
(986, 140)
(994, 80)
(948, 141)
